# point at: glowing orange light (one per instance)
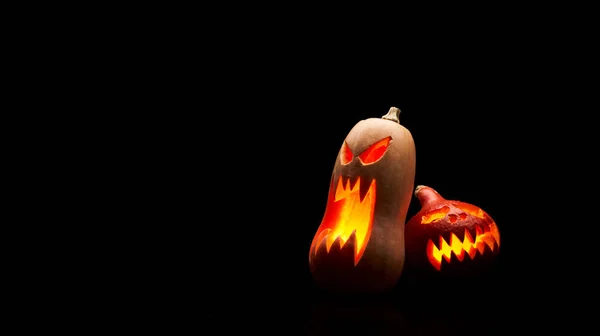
(483, 237)
(471, 210)
(435, 215)
(346, 155)
(375, 151)
(347, 214)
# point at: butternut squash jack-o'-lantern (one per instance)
(359, 246)
(451, 237)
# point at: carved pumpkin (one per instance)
(451, 237)
(359, 246)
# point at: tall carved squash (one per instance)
(359, 246)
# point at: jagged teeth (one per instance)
(349, 185)
(364, 187)
(341, 244)
(471, 243)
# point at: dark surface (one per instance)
(235, 179)
(236, 218)
(244, 257)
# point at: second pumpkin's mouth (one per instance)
(348, 219)
(473, 242)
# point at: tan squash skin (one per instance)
(382, 262)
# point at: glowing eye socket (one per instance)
(346, 155)
(375, 151)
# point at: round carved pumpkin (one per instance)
(359, 246)
(449, 237)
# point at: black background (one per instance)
(240, 151)
(245, 198)
(458, 127)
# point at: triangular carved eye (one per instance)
(375, 151)
(346, 155)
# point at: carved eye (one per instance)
(346, 155)
(375, 151)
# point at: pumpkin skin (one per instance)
(359, 246)
(449, 237)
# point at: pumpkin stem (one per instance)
(427, 195)
(393, 114)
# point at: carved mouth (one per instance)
(472, 243)
(348, 217)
